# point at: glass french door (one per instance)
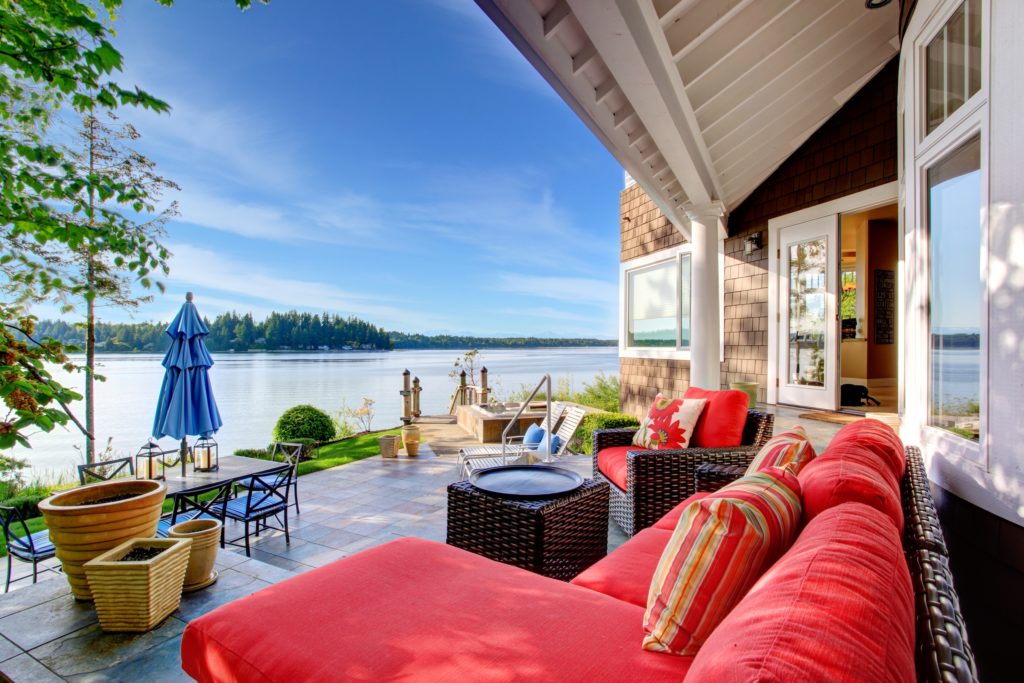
(808, 353)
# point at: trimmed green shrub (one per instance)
(253, 453)
(304, 422)
(583, 441)
(27, 503)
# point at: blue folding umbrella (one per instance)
(186, 405)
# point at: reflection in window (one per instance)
(848, 313)
(807, 300)
(955, 290)
(658, 305)
(953, 67)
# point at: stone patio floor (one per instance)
(46, 636)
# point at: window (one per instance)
(658, 305)
(953, 64)
(955, 290)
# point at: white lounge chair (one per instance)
(571, 420)
(513, 444)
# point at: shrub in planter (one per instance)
(583, 442)
(304, 422)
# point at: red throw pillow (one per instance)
(828, 482)
(722, 544)
(876, 437)
(722, 422)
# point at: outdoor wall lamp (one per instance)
(204, 455)
(752, 243)
(149, 462)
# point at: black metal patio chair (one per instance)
(291, 453)
(201, 502)
(267, 497)
(26, 546)
(105, 470)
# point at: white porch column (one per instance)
(705, 330)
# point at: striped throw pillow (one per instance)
(720, 547)
(791, 448)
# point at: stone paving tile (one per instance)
(279, 561)
(230, 585)
(312, 532)
(339, 538)
(34, 626)
(263, 571)
(32, 595)
(314, 554)
(161, 664)
(24, 668)
(8, 649)
(90, 650)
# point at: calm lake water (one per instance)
(253, 389)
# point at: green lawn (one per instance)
(332, 455)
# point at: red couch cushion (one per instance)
(872, 439)
(830, 481)
(838, 606)
(612, 464)
(721, 424)
(416, 610)
(626, 573)
(671, 518)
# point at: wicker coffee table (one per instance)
(556, 537)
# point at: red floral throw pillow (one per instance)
(669, 423)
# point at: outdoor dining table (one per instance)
(232, 468)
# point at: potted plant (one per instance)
(89, 520)
(138, 584)
(205, 535)
(411, 439)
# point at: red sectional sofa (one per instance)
(852, 600)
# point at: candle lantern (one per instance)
(149, 462)
(204, 455)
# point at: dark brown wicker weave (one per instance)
(557, 537)
(657, 481)
(942, 652)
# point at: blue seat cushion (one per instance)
(534, 433)
(541, 445)
(40, 541)
(236, 507)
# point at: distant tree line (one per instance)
(957, 340)
(402, 340)
(287, 331)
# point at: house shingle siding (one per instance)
(853, 151)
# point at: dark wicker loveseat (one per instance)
(942, 652)
(659, 480)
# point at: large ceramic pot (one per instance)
(87, 521)
(411, 439)
(205, 535)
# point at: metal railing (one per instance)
(514, 422)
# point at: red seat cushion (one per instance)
(721, 424)
(873, 439)
(612, 464)
(671, 518)
(828, 482)
(416, 610)
(837, 607)
(626, 573)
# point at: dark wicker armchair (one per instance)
(941, 650)
(660, 480)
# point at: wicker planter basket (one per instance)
(389, 446)
(81, 528)
(136, 596)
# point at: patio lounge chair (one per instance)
(513, 446)
(566, 430)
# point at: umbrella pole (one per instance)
(184, 454)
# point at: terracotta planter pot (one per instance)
(411, 439)
(205, 535)
(135, 596)
(81, 528)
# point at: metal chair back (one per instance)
(209, 500)
(12, 517)
(291, 452)
(105, 470)
(269, 488)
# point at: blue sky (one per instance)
(399, 161)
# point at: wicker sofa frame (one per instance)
(941, 650)
(657, 481)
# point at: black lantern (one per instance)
(204, 455)
(149, 462)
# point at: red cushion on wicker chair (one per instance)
(829, 482)
(416, 610)
(837, 607)
(875, 439)
(721, 424)
(671, 518)
(626, 573)
(612, 463)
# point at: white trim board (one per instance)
(852, 203)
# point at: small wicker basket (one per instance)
(135, 596)
(389, 446)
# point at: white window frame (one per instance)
(921, 151)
